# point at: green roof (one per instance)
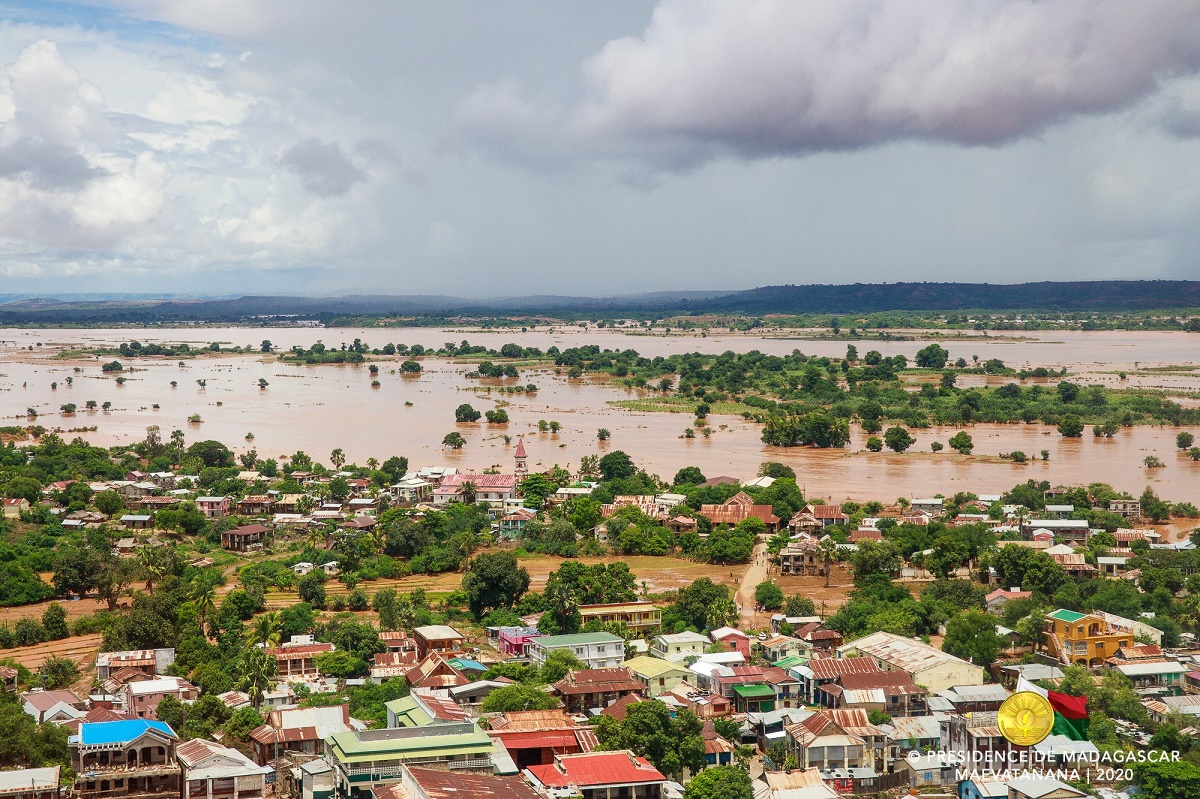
(788, 662)
(1069, 616)
(409, 712)
(578, 639)
(754, 691)
(647, 666)
(348, 747)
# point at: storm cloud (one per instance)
(323, 167)
(628, 145)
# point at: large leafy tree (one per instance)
(971, 635)
(1167, 780)
(617, 465)
(932, 357)
(670, 744)
(212, 454)
(720, 782)
(694, 604)
(494, 580)
(518, 697)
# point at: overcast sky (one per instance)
(503, 148)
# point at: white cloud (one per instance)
(777, 77)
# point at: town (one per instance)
(213, 629)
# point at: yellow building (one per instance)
(637, 616)
(659, 676)
(1084, 639)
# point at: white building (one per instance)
(595, 650)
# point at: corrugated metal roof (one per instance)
(113, 732)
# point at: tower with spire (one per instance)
(522, 468)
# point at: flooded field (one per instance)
(322, 407)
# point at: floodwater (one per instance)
(322, 407)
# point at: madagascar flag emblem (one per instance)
(1070, 712)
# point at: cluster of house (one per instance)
(805, 696)
(425, 489)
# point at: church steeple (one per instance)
(522, 468)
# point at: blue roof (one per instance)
(468, 664)
(116, 732)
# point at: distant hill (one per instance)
(1100, 295)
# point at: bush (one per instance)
(874, 443)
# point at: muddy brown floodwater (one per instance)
(319, 408)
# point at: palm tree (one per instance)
(258, 668)
(151, 563)
(372, 463)
(406, 614)
(337, 458)
(315, 538)
(464, 543)
(469, 492)
(266, 629)
(204, 598)
(562, 603)
(827, 549)
(177, 442)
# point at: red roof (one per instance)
(562, 740)
(619, 708)
(588, 681)
(597, 769)
(520, 453)
(832, 668)
(480, 481)
(828, 512)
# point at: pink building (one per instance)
(514, 641)
(733, 640)
(214, 507)
(142, 697)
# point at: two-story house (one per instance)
(1085, 639)
(586, 689)
(214, 507)
(838, 739)
(658, 676)
(678, 646)
(636, 616)
(125, 758)
(142, 697)
(595, 650)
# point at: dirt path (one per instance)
(756, 572)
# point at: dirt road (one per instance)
(756, 572)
